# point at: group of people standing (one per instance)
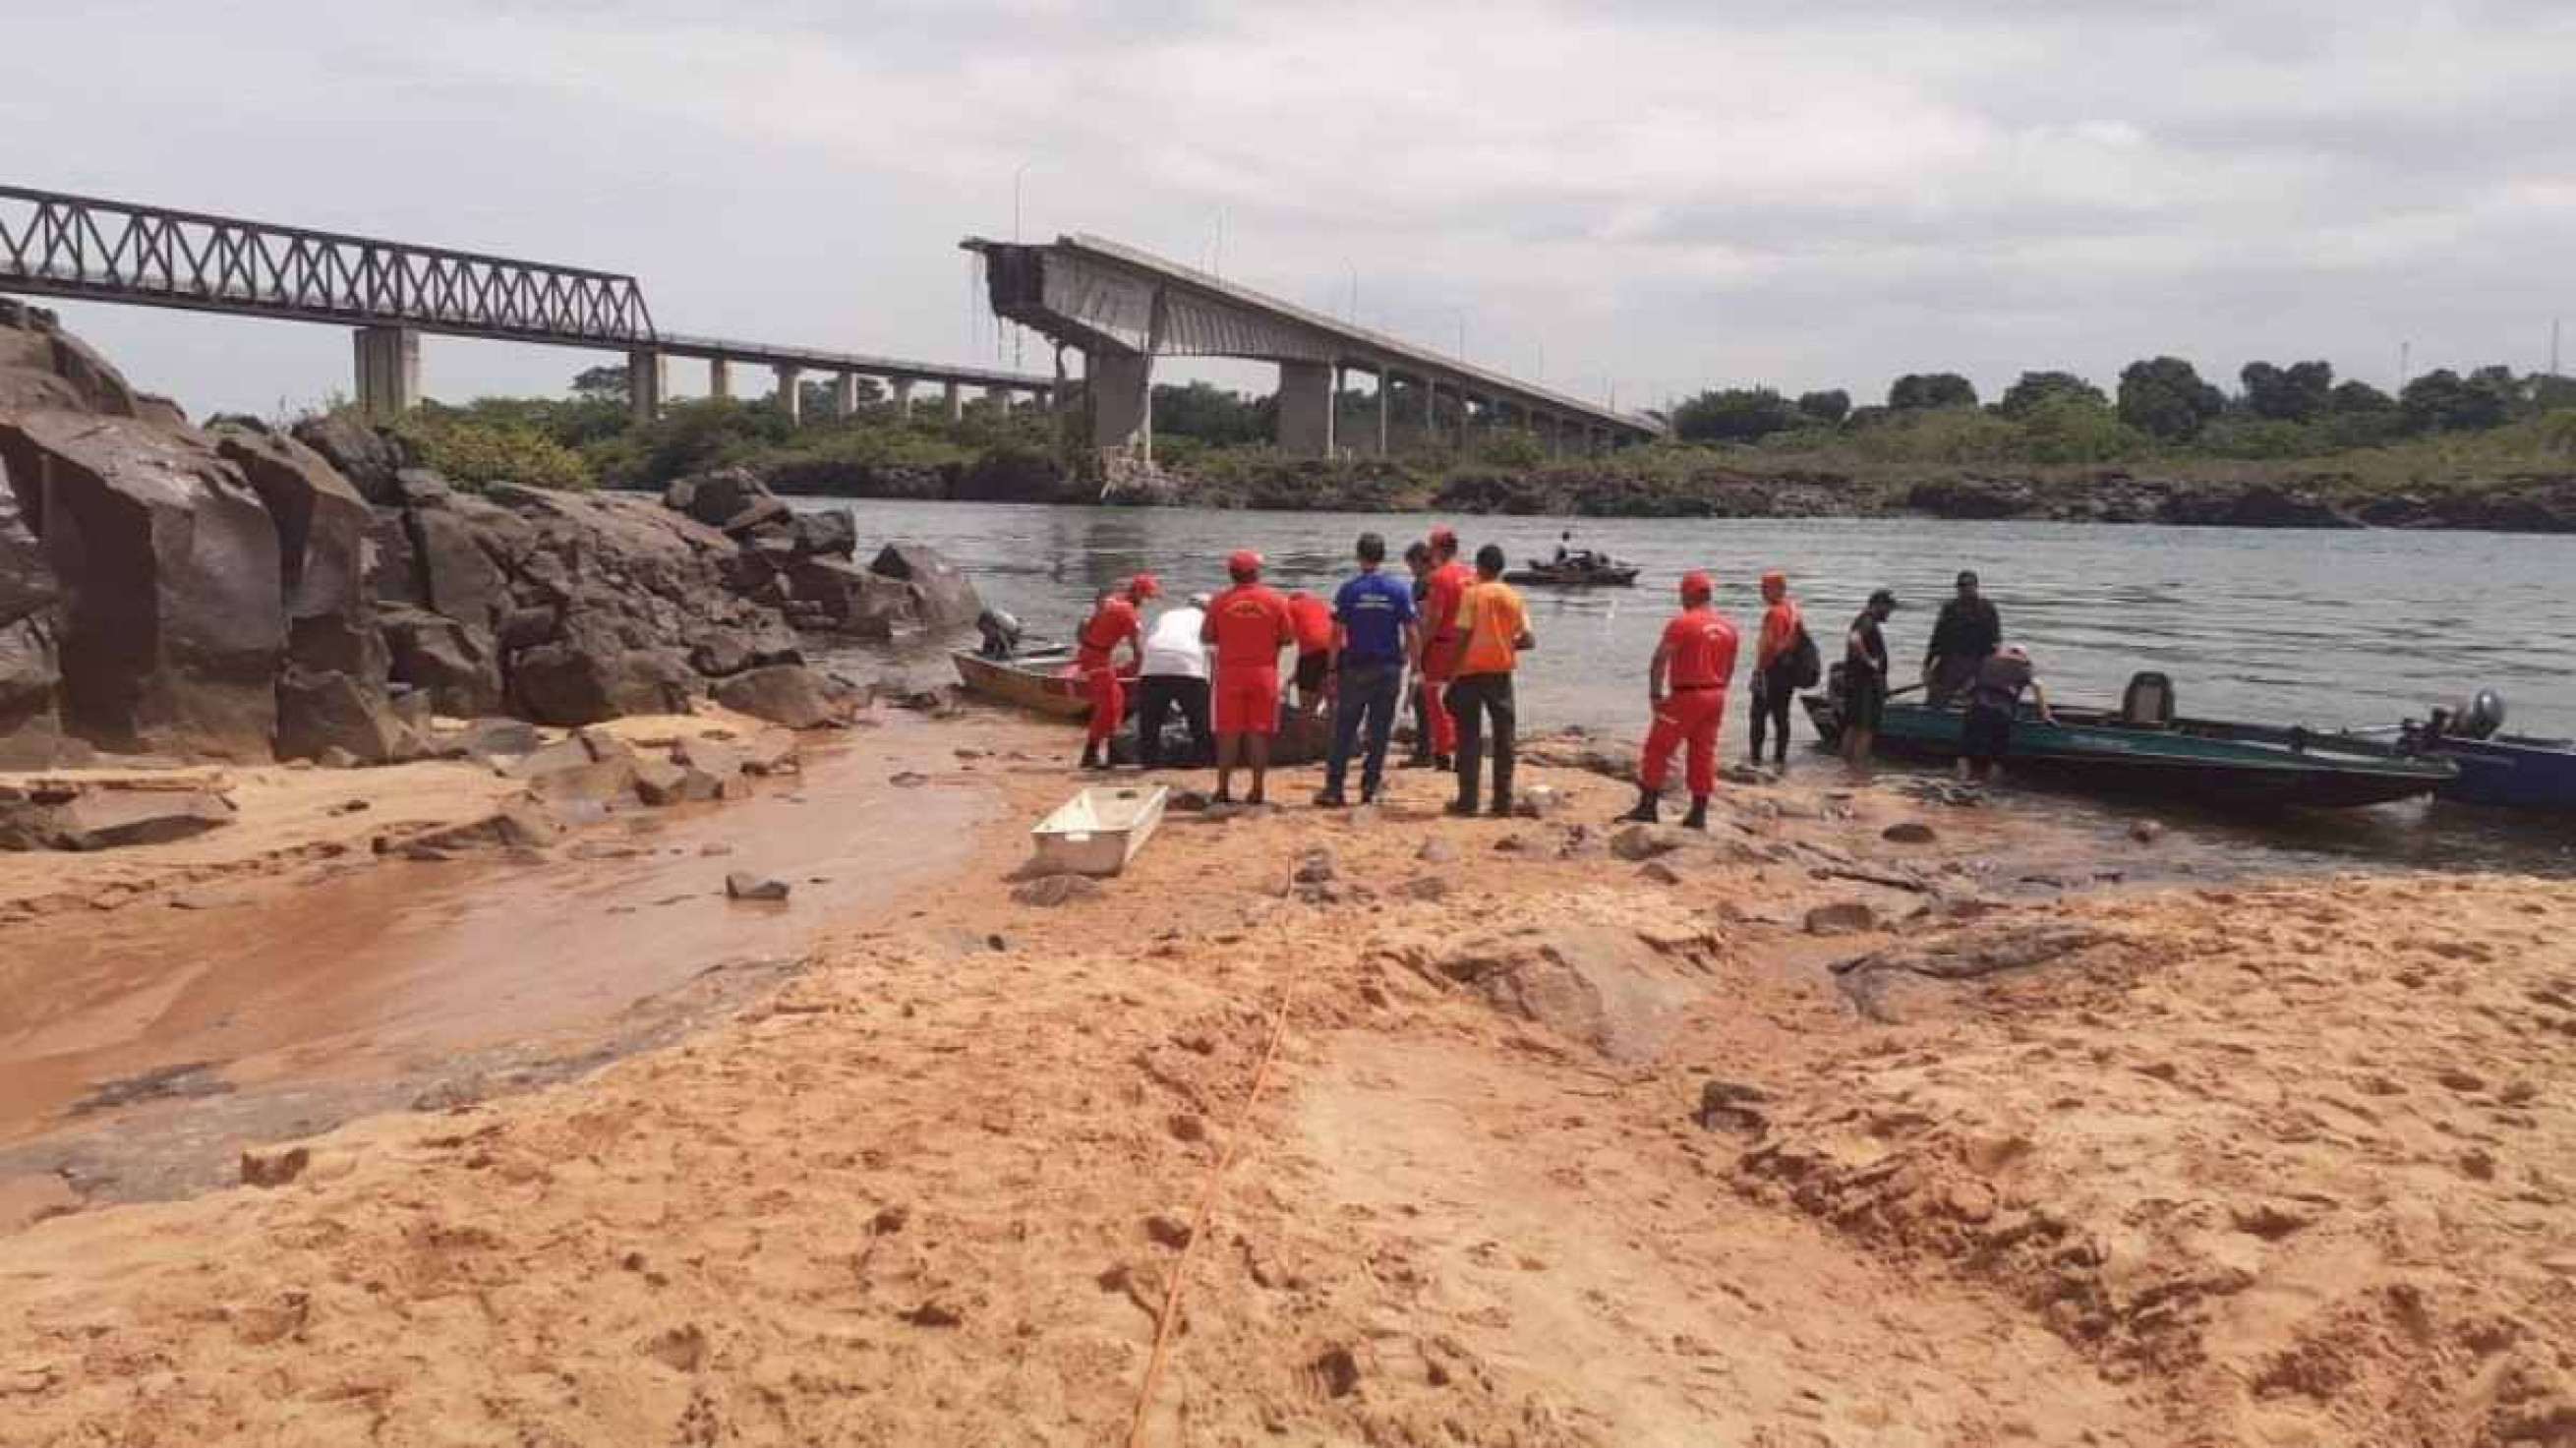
(1458, 632)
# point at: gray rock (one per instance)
(318, 711)
(103, 819)
(712, 498)
(827, 533)
(366, 457)
(1909, 832)
(491, 739)
(457, 663)
(323, 528)
(941, 598)
(744, 885)
(785, 694)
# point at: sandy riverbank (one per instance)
(2272, 1164)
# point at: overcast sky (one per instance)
(1656, 196)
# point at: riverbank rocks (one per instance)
(30, 635)
(1602, 986)
(49, 816)
(780, 694)
(802, 562)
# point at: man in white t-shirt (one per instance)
(1175, 674)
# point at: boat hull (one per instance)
(1544, 576)
(1040, 684)
(2534, 774)
(2236, 765)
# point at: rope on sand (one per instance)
(1198, 1225)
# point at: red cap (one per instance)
(1144, 585)
(1243, 565)
(1696, 587)
(1444, 536)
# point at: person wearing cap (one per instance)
(1967, 630)
(1443, 638)
(1493, 629)
(1175, 677)
(1775, 664)
(1417, 561)
(1865, 678)
(1374, 638)
(1248, 625)
(1686, 687)
(1312, 618)
(1994, 698)
(1113, 621)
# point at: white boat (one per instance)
(1098, 830)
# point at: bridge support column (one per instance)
(845, 395)
(956, 402)
(1384, 391)
(1430, 412)
(790, 394)
(1306, 409)
(902, 388)
(647, 382)
(1121, 385)
(388, 371)
(719, 377)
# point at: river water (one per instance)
(2329, 629)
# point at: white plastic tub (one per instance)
(1098, 830)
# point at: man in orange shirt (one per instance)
(1694, 660)
(1774, 664)
(1312, 618)
(1493, 631)
(1249, 625)
(1442, 638)
(1113, 621)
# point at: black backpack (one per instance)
(1805, 665)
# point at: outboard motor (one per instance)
(2481, 717)
(2148, 702)
(1001, 633)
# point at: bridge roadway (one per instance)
(1123, 307)
(53, 244)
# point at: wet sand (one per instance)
(139, 1046)
(1554, 1146)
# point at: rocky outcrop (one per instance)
(239, 592)
(801, 562)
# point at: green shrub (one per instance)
(477, 453)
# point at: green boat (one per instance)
(2141, 748)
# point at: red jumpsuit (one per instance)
(1699, 657)
(1115, 619)
(1442, 640)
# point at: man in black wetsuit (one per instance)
(1967, 631)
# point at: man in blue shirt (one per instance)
(1374, 639)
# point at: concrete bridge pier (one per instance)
(956, 402)
(1385, 391)
(845, 395)
(719, 377)
(902, 388)
(647, 382)
(1306, 409)
(791, 397)
(1121, 385)
(388, 371)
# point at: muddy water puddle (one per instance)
(144, 1046)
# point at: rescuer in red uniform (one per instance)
(1248, 625)
(1113, 621)
(1442, 639)
(1695, 658)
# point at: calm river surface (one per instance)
(2324, 628)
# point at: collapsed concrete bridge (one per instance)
(1122, 308)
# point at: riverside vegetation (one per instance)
(2291, 447)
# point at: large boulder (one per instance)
(30, 663)
(941, 596)
(717, 498)
(324, 532)
(100, 819)
(175, 622)
(788, 694)
(590, 673)
(826, 533)
(368, 458)
(323, 709)
(458, 664)
(827, 594)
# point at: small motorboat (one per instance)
(2513, 771)
(1577, 570)
(2142, 748)
(1038, 679)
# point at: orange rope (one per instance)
(1198, 1227)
